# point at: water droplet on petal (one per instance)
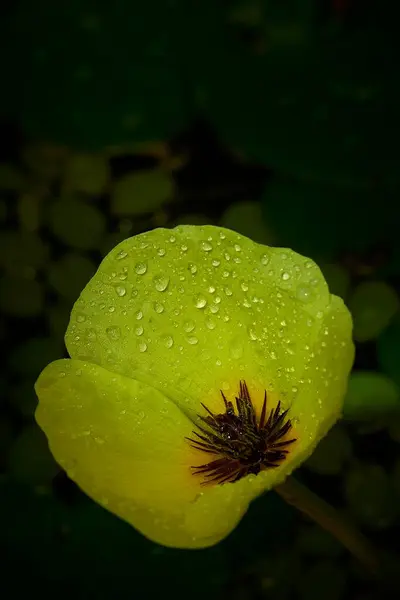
(236, 349)
(200, 301)
(167, 340)
(158, 307)
(285, 276)
(121, 290)
(192, 340)
(228, 291)
(244, 286)
(113, 333)
(121, 255)
(216, 263)
(142, 347)
(139, 315)
(210, 323)
(252, 334)
(192, 268)
(91, 335)
(206, 246)
(161, 252)
(264, 259)
(111, 309)
(62, 374)
(141, 268)
(160, 282)
(188, 326)
(304, 293)
(139, 330)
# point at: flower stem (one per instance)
(298, 495)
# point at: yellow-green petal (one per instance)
(193, 310)
(124, 444)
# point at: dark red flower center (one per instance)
(243, 444)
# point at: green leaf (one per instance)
(370, 396)
(373, 304)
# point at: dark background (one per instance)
(276, 118)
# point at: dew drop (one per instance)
(139, 330)
(91, 335)
(160, 282)
(161, 252)
(139, 315)
(80, 318)
(294, 389)
(304, 294)
(320, 314)
(264, 259)
(111, 309)
(192, 268)
(216, 263)
(121, 255)
(172, 239)
(121, 290)
(211, 289)
(225, 274)
(168, 341)
(188, 326)
(236, 349)
(252, 334)
(113, 333)
(210, 323)
(62, 374)
(228, 291)
(237, 248)
(158, 307)
(141, 268)
(142, 347)
(217, 299)
(192, 340)
(244, 286)
(206, 246)
(200, 301)
(285, 276)
(214, 309)
(134, 293)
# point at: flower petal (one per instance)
(124, 444)
(193, 310)
(321, 391)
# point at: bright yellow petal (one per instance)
(124, 444)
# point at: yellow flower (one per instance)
(172, 328)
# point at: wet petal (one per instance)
(193, 310)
